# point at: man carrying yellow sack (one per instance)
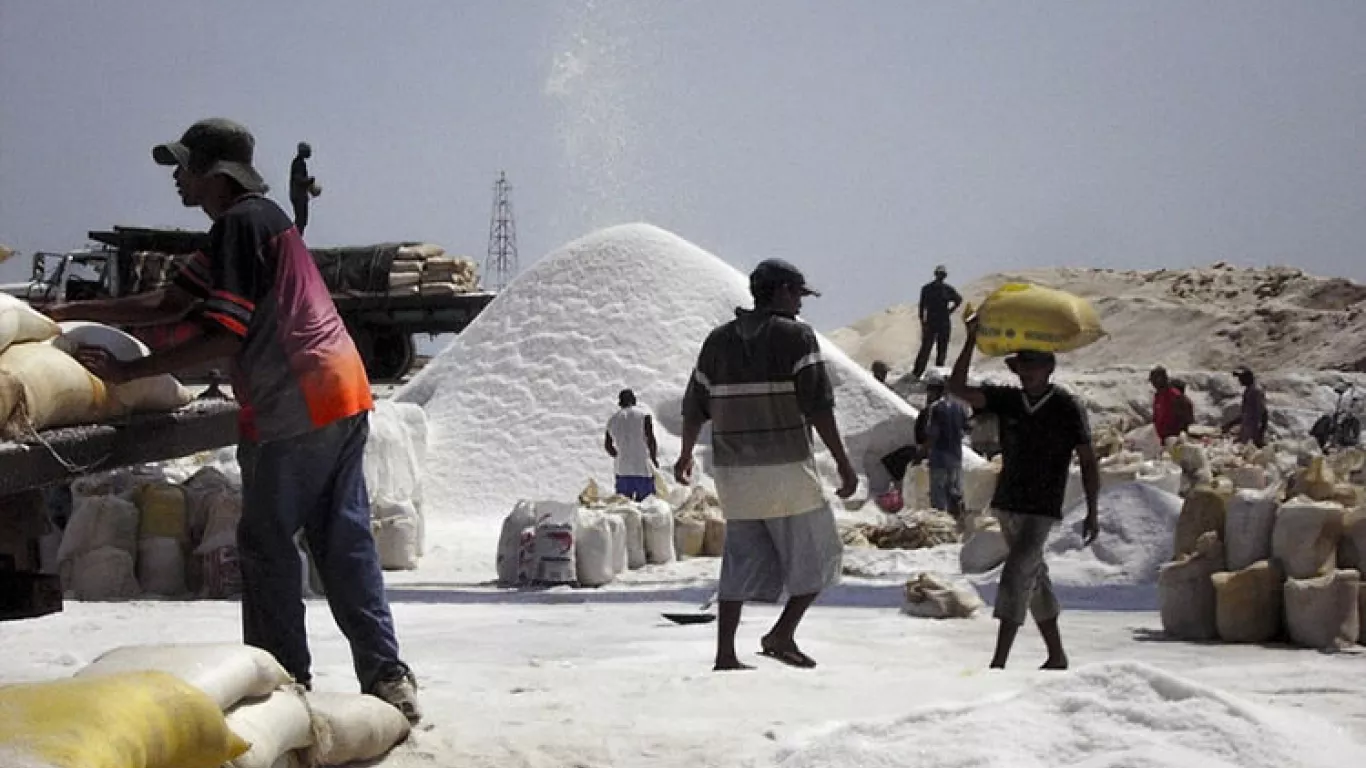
(1041, 426)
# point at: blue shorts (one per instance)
(635, 488)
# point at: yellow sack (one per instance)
(1020, 316)
(135, 720)
(161, 512)
(43, 387)
(19, 323)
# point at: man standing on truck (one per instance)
(1041, 427)
(305, 404)
(630, 440)
(938, 302)
(302, 187)
(761, 381)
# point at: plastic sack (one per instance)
(391, 465)
(690, 536)
(620, 557)
(984, 548)
(274, 726)
(161, 566)
(714, 541)
(1204, 510)
(161, 508)
(222, 510)
(1248, 527)
(657, 522)
(98, 522)
(131, 720)
(934, 596)
(20, 323)
(42, 387)
(1019, 316)
(979, 485)
(226, 672)
(1317, 481)
(1248, 603)
(593, 545)
(396, 527)
(354, 728)
(150, 394)
(555, 554)
(107, 573)
(1185, 591)
(220, 573)
(1324, 612)
(1352, 548)
(522, 516)
(635, 534)
(1306, 537)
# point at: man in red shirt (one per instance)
(257, 297)
(1169, 415)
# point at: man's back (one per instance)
(627, 428)
(948, 423)
(935, 299)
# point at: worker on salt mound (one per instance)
(762, 382)
(258, 298)
(630, 440)
(1170, 416)
(1041, 427)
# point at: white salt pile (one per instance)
(1137, 525)
(1101, 716)
(519, 401)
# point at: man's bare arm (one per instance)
(166, 305)
(650, 440)
(608, 445)
(958, 380)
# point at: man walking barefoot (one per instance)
(760, 379)
(1041, 427)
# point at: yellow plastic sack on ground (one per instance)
(43, 387)
(161, 508)
(137, 720)
(19, 323)
(1022, 316)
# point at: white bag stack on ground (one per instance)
(1306, 537)
(635, 533)
(657, 522)
(42, 387)
(1249, 476)
(690, 536)
(1185, 591)
(593, 549)
(1352, 548)
(226, 672)
(21, 323)
(555, 545)
(354, 728)
(98, 553)
(274, 727)
(1323, 612)
(714, 540)
(163, 539)
(521, 519)
(984, 548)
(1163, 475)
(161, 567)
(620, 557)
(1249, 603)
(148, 395)
(396, 535)
(222, 512)
(1248, 527)
(979, 485)
(107, 573)
(935, 596)
(391, 463)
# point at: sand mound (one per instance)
(1196, 319)
(1104, 715)
(519, 401)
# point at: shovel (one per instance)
(702, 616)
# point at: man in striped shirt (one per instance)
(761, 381)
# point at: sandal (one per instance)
(789, 656)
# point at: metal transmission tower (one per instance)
(501, 263)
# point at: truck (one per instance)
(383, 318)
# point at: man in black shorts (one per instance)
(1041, 427)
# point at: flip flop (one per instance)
(789, 656)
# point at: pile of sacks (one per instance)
(425, 269)
(42, 386)
(935, 596)
(395, 453)
(1261, 564)
(919, 529)
(190, 706)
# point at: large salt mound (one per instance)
(1137, 523)
(1101, 716)
(519, 401)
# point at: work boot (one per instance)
(398, 688)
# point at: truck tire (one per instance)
(388, 354)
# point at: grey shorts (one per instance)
(800, 554)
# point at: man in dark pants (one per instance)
(305, 407)
(302, 187)
(761, 380)
(1041, 427)
(938, 301)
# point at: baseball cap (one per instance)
(779, 272)
(215, 146)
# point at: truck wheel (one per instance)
(389, 355)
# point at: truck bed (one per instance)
(432, 314)
(200, 426)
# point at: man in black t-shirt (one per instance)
(938, 302)
(1041, 427)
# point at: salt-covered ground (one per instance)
(601, 679)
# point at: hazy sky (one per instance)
(865, 141)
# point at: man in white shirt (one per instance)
(630, 440)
